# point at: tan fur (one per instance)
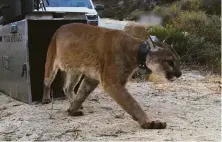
(137, 30)
(104, 56)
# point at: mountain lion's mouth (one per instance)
(172, 79)
(169, 76)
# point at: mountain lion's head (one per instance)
(161, 59)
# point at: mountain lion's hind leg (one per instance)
(78, 84)
(70, 81)
(86, 87)
(47, 86)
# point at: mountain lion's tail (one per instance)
(51, 67)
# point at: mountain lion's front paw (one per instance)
(154, 125)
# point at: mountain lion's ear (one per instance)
(172, 45)
(165, 39)
(154, 39)
(151, 45)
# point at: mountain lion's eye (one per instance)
(171, 63)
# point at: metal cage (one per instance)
(23, 49)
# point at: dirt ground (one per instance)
(191, 106)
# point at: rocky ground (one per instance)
(191, 106)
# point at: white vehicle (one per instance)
(85, 6)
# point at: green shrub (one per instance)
(199, 24)
(203, 43)
(168, 31)
(135, 14)
(170, 11)
(202, 52)
(191, 5)
(212, 7)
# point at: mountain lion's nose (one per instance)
(178, 74)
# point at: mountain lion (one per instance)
(108, 57)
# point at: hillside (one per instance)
(126, 9)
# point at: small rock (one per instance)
(28, 134)
(20, 119)
(106, 108)
(119, 116)
(3, 108)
